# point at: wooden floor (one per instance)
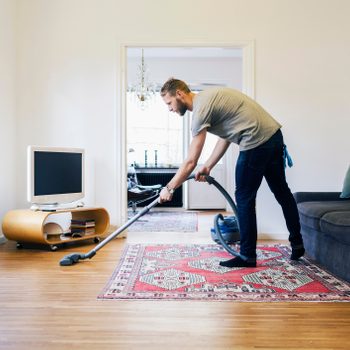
(45, 306)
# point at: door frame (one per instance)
(248, 87)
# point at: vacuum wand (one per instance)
(73, 258)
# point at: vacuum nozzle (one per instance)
(71, 259)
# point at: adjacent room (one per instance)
(89, 258)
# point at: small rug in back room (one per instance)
(192, 272)
(167, 221)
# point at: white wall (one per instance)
(69, 77)
(7, 107)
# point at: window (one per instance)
(154, 130)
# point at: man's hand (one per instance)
(202, 171)
(165, 195)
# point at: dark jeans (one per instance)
(266, 161)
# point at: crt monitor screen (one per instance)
(57, 173)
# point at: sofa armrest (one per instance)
(317, 196)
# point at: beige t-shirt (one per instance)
(233, 116)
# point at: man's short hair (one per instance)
(171, 85)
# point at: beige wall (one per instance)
(7, 107)
(68, 79)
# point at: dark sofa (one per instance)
(325, 226)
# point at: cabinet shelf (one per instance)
(24, 225)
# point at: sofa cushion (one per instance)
(337, 225)
(311, 212)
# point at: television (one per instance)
(55, 176)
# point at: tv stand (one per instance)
(28, 226)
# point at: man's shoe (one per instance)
(237, 262)
(297, 253)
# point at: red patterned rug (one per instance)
(192, 272)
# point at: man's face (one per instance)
(175, 103)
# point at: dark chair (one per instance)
(137, 193)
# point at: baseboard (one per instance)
(273, 236)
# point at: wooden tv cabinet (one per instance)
(25, 225)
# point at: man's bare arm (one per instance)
(187, 166)
(218, 152)
(191, 161)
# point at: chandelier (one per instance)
(142, 91)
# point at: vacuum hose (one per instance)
(212, 181)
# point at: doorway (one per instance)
(197, 65)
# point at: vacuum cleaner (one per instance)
(222, 233)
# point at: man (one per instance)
(234, 117)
